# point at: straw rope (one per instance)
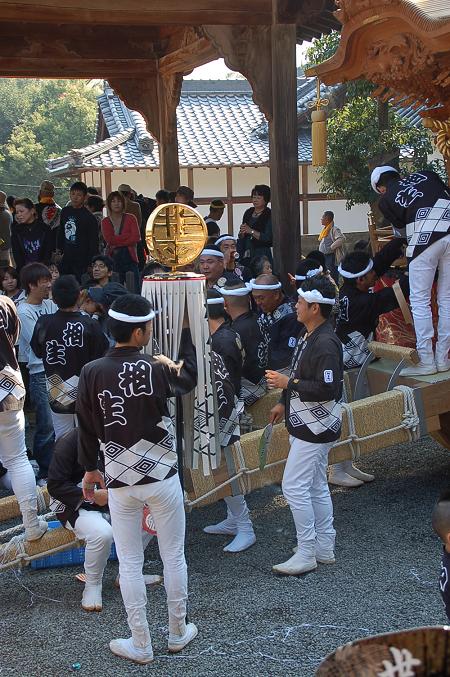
(9, 506)
(18, 552)
(368, 425)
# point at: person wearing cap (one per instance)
(227, 245)
(277, 320)
(312, 409)
(131, 206)
(227, 360)
(185, 196)
(255, 233)
(418, 205)
(97, 300)
(48, 210)
(122, 410)
(65, 341)
(6, 220)
(78, 236)
(216, 210)
(212, 266)
(244, 321)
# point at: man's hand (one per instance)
(277, 413)
(101, 497)
(90, 479)
(276, 380)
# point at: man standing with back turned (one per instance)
(122, 412)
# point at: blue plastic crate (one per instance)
(66, 558)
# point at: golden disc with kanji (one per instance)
(175, 234)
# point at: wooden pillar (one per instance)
(169, 90)
(283, 143)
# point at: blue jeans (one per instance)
(44, 436)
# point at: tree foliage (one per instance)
(356, 138)
(39, 120)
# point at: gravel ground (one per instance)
(250, 621)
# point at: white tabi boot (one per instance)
(301, 562)
(338, 475)
(92, 597)
(225, 528)
(245, 536)
(355, 472)
(35, 528)
(185, 634)
(125, 648)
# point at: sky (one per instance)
(216, 70)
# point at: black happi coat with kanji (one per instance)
(255, 346)
(314, 392)
(359, 311)
(122, 412)
(227, 343)
(66, 341)
(281, 329)
(418, 205)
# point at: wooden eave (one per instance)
(396, 46)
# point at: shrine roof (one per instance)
(219, 125)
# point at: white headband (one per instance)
(212, 252)
(238, 291)
(377, 172)
(254, 285)
(310, 273)
(352, 276)
(212, 302)
(134, 319)
(314, 296)
(222, 238)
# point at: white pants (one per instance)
(92, 528)
(306, 490)
(63, 423)
(13, 455)
(421, 275)
(165, 500)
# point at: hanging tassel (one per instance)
(319, 130)
(319, 138)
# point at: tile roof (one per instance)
(218, 125)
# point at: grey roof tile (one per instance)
(218, 125)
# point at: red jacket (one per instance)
(129, 236)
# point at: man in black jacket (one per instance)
(418, 205)
(277, 320)
(311, 405)
(122, 411)
(65, 342)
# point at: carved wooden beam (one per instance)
(140, 94)
(248, 50)
(74, 68)
(185, 59)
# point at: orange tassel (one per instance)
(319, 138)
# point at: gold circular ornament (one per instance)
(175, 234)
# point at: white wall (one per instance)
(212, 183)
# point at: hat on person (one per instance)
(377, 172)
(108, 294)
(124, 188)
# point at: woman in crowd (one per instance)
(260, 265)
(30, 237)
(255, 234)
(121, 234)
(11, 285)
